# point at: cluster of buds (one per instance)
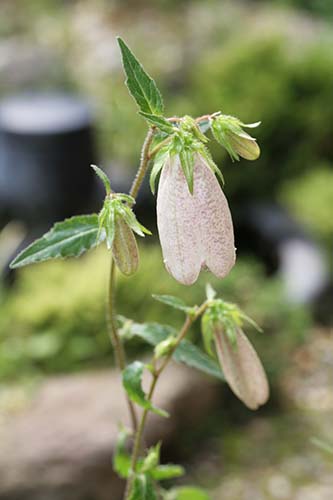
(222, 324)
(118, 222)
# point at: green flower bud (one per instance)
(124, 247)
(228, 131)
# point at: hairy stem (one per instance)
(115, 339)
(156, 374)
(143, 164)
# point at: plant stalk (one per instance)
(115, 339)
(156, 374)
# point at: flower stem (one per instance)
(145, 157)
(115, 339)
(111, 310)
(156, 374)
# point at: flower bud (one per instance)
(228, 131)
(242, 367)
(124, 247)
(196, 229)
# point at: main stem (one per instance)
(115, 339)
(156, 374)
(111, 310)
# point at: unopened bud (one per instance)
(228, 131)
(124, 248)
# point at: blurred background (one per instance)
(63, 105)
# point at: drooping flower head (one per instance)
(222, 323)
(196, 229)
(193, 216)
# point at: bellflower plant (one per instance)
(196, 232)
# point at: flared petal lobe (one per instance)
(195, 229)
(242, 369)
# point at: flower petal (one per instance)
(242, 369)
(213, 214)
(177, 223)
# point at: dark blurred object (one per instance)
(46, 148)
(270, 232)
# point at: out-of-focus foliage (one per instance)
(310, 199)
(43, 329)
(323, 8)
(290, 92)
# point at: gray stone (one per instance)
(59, 447)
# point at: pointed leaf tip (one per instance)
(141, 86)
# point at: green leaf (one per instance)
(141, 86)
(187, 493)
(152, 459)
(167, 471)
(121, 458)
(143, 488)
(159, 121)
(70, 238)
(104, 178)
(186, 352)
(132, 382)
(172, 301)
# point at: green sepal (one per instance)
(159, 162)
(141, 86)
(152, 459)
(143, 488)
(186, 156)
(212, 165)
(69, 238)
(207, 333)
(104, 178)
(121, 458)
(158, 121)
(132, 382)
(188, 124)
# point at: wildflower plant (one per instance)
(196, 232)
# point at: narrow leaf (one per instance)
(187, 493)
(69, 238)
(159, 121)
(132, 382)
(168, 471)
(141, 86)
(104, 178)
(186, 352)
(172, 301)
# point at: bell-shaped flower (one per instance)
(242, 368)
(222, 324)
(195, 229)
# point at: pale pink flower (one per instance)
(196, 229)
(242, 368)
